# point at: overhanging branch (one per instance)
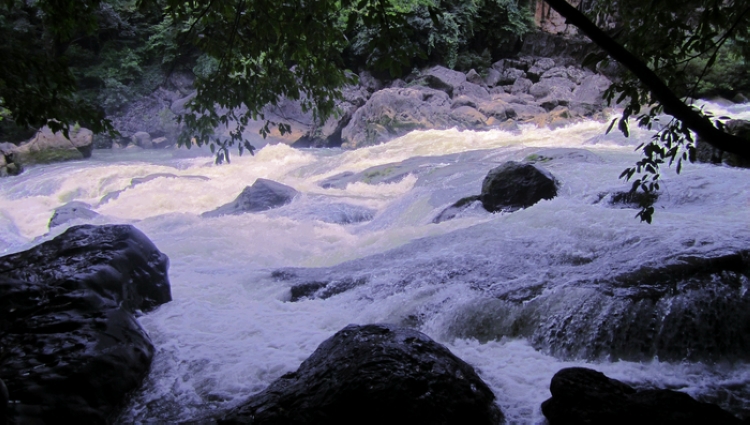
(673, 105)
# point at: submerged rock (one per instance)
(71, 347)
(456, 209)
(513, 186)
(375, 374)
(261, 196)
(71, 211)
(583, 396)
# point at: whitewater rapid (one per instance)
(231, 330)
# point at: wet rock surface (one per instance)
(374, 374)
(72, 211)
(707, 153)
(261, 196)
(583, 396)
(514, 185)
(71, 347)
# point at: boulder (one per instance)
(493, 77)
(473, 77)
(522, 112)
(7, 165)
(521, 85)
(72, 349)
(583, 396)
(394, 112)
(142, 139)
(552, 92)
(47, 147)
(374, 374)
(71, 211)
(471, 90)
(514, 185)
(443, 79)
(467, 117)
(261, 196)
(707, 153)
(496, 109)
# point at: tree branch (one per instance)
(696, 122)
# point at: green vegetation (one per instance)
(81, 61)
(670, 49)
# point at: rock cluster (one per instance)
(71, 348)
(45, 147)
(525, 90)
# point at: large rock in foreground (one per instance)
(514, 185)
(583, 396)
(375, 374)
(71, 347)
(261, 196)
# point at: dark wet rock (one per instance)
(72, 211)
(454, 210)
(583, 396)
(631, 199)
(323, 289)
(261, 196)
(514, 185)
(71, 347)
(691, 308)
(374, 374)
(707, 153)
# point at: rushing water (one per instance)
(231, 329)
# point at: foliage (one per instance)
(682, 42)
(36, 84)
(458, 34)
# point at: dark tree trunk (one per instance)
(672, 104)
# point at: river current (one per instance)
(231, 329)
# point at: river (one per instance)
(231, 328)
